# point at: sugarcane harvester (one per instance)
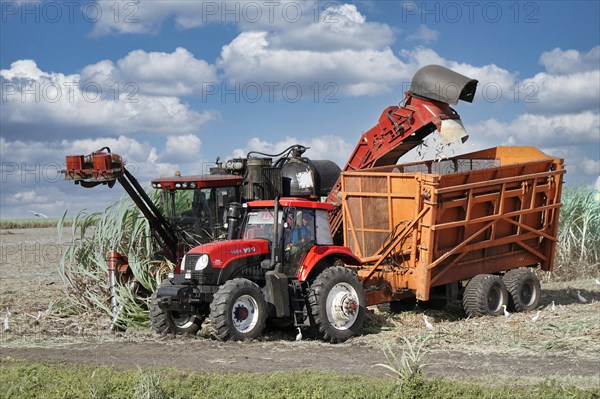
(424, 109)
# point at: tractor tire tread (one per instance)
(219, 308)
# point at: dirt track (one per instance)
(257, 357)
(482, 347)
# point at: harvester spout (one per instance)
(437, 83)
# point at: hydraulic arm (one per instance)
(103, 167)
(401, 128)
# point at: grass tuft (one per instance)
(406, 368)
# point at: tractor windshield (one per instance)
(259, 224)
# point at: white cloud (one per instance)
(532, 129)
(338, 27)
(250, 58)
(591, 167)
(423, 34)
(570, 61)
(547, 93)
(36, 104)
(182, 148)
(154, 73)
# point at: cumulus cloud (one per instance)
(574, 92)
(533, 129)
(153, 73)
(300, 24)
(249, 58)
(570, 83)
(423, 34)
(338, 26)
(37, 103)
(570, 61)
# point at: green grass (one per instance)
(30, 223)
(38, 380)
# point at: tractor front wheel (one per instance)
(166, 322)
(238, 310)
(337, 304)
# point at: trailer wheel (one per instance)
(166, 322)
(524, 289)
(484, 295)
(238, 310)
(336, 304)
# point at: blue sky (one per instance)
(172, 84)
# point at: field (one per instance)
(561, 351)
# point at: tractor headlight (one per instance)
(202, 262)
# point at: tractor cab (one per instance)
(196, 205)
(301, 226)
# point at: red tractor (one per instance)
(283, 267)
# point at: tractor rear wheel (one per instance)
(336, 304)
(485, 294)
(524, 288)
(166, 322)
(238, 310)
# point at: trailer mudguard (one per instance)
(320, 252)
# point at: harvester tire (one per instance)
(484, 295)
(167, 322)
(524, 289)
(336, 304)
(238, 310)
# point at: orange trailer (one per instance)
(441, 223)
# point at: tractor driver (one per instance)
(299, 235)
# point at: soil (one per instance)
(564, 344)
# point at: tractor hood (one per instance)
(223, 252)
(437, 83)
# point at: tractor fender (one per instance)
(318, 253)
